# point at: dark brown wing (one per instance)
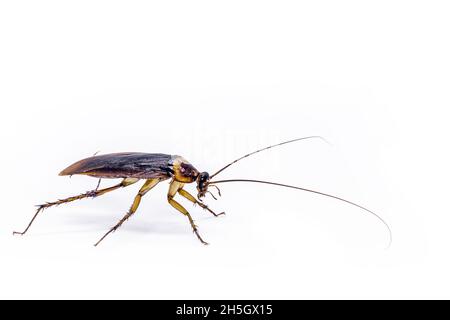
(124, 165)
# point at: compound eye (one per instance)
(204, 176)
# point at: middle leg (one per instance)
(148, 185)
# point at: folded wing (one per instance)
(124, 165)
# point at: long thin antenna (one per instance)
(312, 191)
(266, 148)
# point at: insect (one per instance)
(157, 167)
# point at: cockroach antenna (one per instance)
(214, 183)
(267, 148)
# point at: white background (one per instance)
(210, 81)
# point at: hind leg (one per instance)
(90, 194)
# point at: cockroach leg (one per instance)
(191, 198)
(174, 188)
(40, 208)
(148, 185)
(180, 208)
(89, 194)
(98, 184)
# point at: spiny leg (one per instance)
(180, 208)
(148, 185)
(191, 198)
(173, 189)
(90, 194)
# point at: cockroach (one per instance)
(156, 167)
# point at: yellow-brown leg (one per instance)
(191, 198)
(90, 194)
(173, 189)
(148, 185)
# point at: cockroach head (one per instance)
(202, 184)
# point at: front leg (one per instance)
(173, 189)
(191, 198)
